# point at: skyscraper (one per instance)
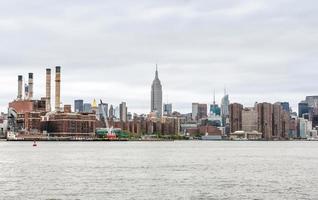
(87, 107)
(265, 119)
(123, 112)
(79, 105)
(167, 109)
(303, 108)
(199, 111)
(225, 108)
(156, 95)
(111, 111)
(235, 111)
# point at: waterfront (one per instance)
(159, 170)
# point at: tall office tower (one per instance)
(48, 90)
(167, 109)
(156, 95)
(199, 111)
(235, 111)
(312, 101)
(303, 108)
(117, 112)
(79, 105)
(57, 88)
(265, 120)
(87, 108)
(285, 106)
(123, 112)
(111, 111)
(225, 108)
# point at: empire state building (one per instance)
(156, 95)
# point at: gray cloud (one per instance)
(261, 50)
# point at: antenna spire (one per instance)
(156, 71)
(214, 97)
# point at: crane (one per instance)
(110, 135)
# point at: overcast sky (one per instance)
(260, 50)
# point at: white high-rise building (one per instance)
(156, 95)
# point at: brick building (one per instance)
(235, 110)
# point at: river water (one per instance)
(159, 170)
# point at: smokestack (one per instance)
(57, 88)
(30, 85)
(19, 87)
(48, 90)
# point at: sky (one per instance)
(261, 51)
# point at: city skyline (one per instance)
(255, 49)
(183, 107)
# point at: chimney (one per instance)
(48, 90)
(57, 88)
(19, 87)
(67, 108)
(30, 86)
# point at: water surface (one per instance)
(159, 170)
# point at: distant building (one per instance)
(265, 119)
(312, 101)
(167, 109)
(156, 95)
(111, 111)
(87, 108)
(95, 107)
(308, 109)
(69, 124)
(199, 111)
(249, 119)
(129, 116)
(285, 106)
(235, 111)
(25, 115)
(78, 105)
(305, 127)
(273, 121)
(123, 112)
(116, 112)
(293, 127)
(215, 110)
(225, 108)
(303, 108)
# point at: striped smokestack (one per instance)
(20, 87)
(57, 88)
(48, 90)
(30, 85)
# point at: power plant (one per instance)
(29, 117)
